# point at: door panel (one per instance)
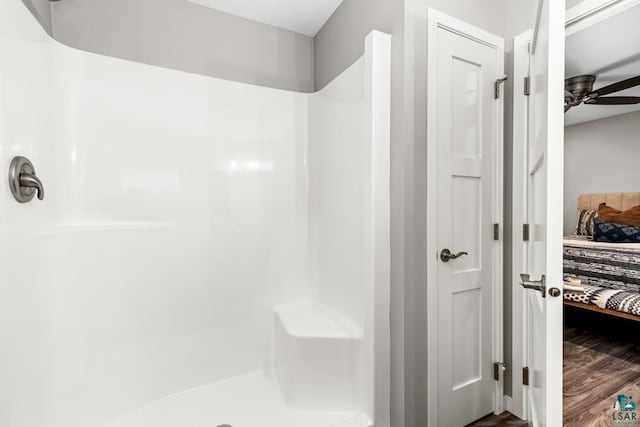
(466, 175)
(545, 201)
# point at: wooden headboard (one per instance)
(620, 201)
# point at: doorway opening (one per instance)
(601, 248)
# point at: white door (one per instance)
(544, 213)
(467, 203)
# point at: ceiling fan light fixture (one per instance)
(579, 85)
(579, 90)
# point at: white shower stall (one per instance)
(207, 253)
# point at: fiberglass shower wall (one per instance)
(188, 224)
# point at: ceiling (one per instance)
(301, 16)
(610, 50)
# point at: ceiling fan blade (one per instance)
(614, 100)
(617, 87)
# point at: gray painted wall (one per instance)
(42, 12)
(341, 40)
(184, 36)
(600, 157)
(337, 45)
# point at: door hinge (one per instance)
(496, 231)
(525, 376)
(499, 81)
(527, 86)
(497, 368)
(525, 232)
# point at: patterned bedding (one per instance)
(610, 273)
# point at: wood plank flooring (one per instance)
(601, 360)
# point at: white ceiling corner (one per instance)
(301, 16)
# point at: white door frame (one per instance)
(590, 12)
(585, 14)
(435, 20)
(519, 213)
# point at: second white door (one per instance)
(467, 206)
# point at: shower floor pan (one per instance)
(246, 401)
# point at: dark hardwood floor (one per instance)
(504, 419)
(601, 360)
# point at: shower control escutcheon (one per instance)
(23, 181)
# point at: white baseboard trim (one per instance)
(508, 403)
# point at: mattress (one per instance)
(610, 273)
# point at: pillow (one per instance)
(629, 217)
(615, 233)
(585, 222)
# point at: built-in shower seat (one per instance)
(315, 355)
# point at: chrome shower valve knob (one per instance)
(23, 181)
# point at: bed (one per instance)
(609, 272)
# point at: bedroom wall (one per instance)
(601, 156)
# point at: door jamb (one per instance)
(519, 213)
(436, 20)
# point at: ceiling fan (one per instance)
(579, 90)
